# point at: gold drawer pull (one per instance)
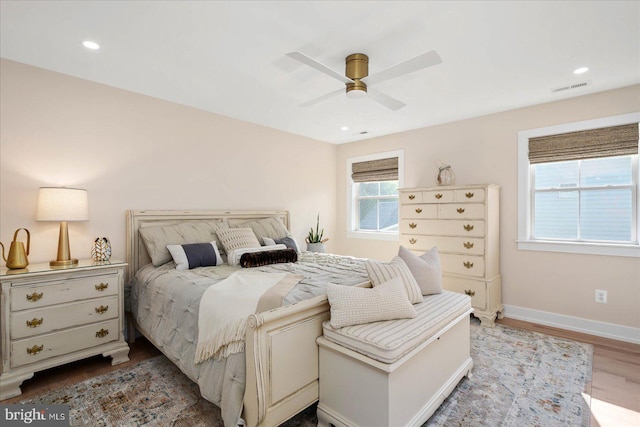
(413, 241)
(34, 296)
(102, 333)
(468, 227)
(468, 195)
(468, 245)
(438, 196)
(419, 210)
(101, 287)
(102, 309)
(467, 264)
(460, 210)
(35, 322)
(412, 225)
(412, 196)
(35, 349)
(469, 292)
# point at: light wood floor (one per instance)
(614, 392)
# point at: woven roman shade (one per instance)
(587, 144)
(375, 170)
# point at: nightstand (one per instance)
(52, 316)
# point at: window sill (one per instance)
(580, 248)
(372, 235)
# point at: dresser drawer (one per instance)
(473, 195)
(44, 294)
(462, 245)
(411, 197)
(461, 211)
(477, 290)
(443, 227)
(35, 349)
(437, 196)
(28, 323)
(469, 265)
(419, 211)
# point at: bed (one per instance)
(276, 376)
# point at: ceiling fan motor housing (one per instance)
(357, 67)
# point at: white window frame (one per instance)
(352, 209)
(525, 194)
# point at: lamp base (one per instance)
(64, 263)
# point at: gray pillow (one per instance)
(425, 269)
(267, 227)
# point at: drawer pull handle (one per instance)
(468, 227)
(468, 195)
(412, 196)
(34, 297)
(413, 241)
(419, 210)
(102, 333)
(469, 292)
(460, 210)
(468, 264)
(101, 287)
(412, 225)
(438, 196)
(35, 349)
(35, 322)
(102, 309)
(468, 245)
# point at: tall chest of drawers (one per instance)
(55, 316)
(463, 223)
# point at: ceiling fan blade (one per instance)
(307, 60)
(425, 60)
(386, 100)
(322, 98)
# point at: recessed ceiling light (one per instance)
(581, 70)
(344, 128)
(91, 45)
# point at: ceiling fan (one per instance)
(357, 79)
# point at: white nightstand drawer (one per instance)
(438, 196)
(470, 195)
(419, 211)
(28, 323)
(461, 211)
(412, 197)
(463, 264)
(477, 290)
(462, 245)
(34, 349)
(443, 227)
(43, 294)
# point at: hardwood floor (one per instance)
(614, 392)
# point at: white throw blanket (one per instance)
(226, 305)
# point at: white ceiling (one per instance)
(228, 57)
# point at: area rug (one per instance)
(520, 378)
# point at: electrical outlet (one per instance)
(601, 296)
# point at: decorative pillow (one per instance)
(233, 258)
(256, 259)
(194, 255)
(425, 269)
(289, 242)
(268, 227)
(236, 238)
(380, 272)
(157, 238)
(351, 305)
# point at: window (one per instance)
(372, 188)
(578, 187)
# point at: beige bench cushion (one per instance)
(389, 340)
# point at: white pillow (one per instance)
(233, 258)
(237, 238)
(425, 269)
(351, 305)
(193, 255)
(380, 272)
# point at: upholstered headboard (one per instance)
(136, 219)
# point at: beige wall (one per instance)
(136, 152)
(484, 150)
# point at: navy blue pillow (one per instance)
(193, 255)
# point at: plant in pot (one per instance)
(315, 240)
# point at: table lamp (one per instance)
(62, 204)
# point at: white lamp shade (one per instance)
(62, 204)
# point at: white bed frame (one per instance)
(281, 350)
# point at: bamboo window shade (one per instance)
(375, 170)
(587, 144)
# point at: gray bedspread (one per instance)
(165, 303)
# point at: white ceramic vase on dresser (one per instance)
(463, 223)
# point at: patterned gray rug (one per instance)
(520, 378)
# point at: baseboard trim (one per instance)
(577, 324)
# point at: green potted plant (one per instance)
(315, 240)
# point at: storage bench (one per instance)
(396, 372)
